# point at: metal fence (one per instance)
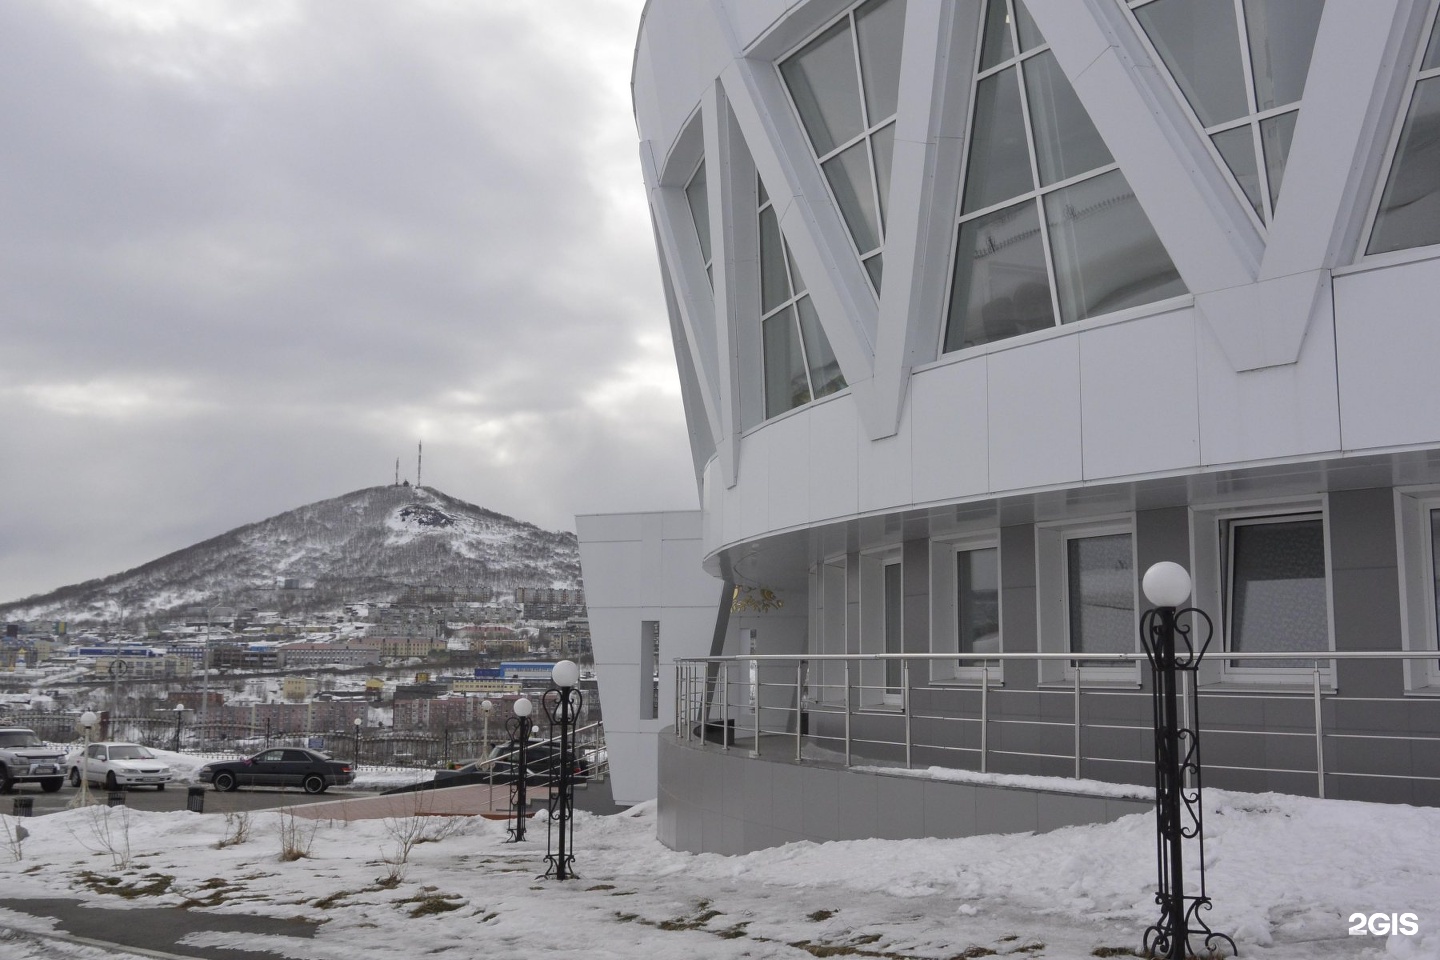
(779, 703)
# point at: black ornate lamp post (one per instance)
(358, 722)
(518, 727)
(1179, 816)
(562, 706)
(179, 719)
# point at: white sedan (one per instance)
(117, 765)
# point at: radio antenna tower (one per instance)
(419, 459)
(397, 471)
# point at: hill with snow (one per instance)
(372, 544)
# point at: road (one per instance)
(174, 798)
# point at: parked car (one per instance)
(118, 765)
(310, 770)
(24, 758)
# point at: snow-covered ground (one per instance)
(1286, 875)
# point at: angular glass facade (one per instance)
(1049, 229)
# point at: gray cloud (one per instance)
(249, 254)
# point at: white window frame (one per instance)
(1419, 628)
(829, 628)
(944, 612)
(1052, 594)
(874, 691)
(1212, 577)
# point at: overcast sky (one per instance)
(253, 251)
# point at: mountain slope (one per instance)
(366, 545)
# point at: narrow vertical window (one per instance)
(649, 673)
(699, 201)
(894, 626)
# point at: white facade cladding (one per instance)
(1017, 297)
(654, 603)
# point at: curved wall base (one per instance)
(716, 801)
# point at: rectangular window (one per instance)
(965, 606)
(1277, 590)
(1419, 563)
(881, 626)
(1100, 595)
(894, 625)
(1086, 596)
(649, 669)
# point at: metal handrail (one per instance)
(698, 692)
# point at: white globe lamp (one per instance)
(1166, 584)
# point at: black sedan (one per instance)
(310, 770)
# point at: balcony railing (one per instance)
(836, 708)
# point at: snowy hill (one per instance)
(368, 545)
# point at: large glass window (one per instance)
(845, 85)
(799, 364)
(1241, 65)
(1276, 589)
(1049, 230)
(1100, 595)
(1409, 212)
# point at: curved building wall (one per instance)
(980, 309)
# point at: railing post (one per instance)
(755, 665)
(984, 714)
(799, 705)
(725, 705)
(1319, 735)
(847, 713)
(1077, 719)
(905, 707)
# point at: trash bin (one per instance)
(24, 807)
(115, 798)
(195, 799)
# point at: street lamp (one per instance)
(358, 722)
(1177, 753)
(486, 707)
(88, 720)
(518, 727)
(179, 719)
(562, 706)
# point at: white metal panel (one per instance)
(886, 471)
(1140, 397)
(680, 51)
(788, 443)
(949, 410)
(1274, 412)
(831, 474)
(1387, 339)
(1034, 415)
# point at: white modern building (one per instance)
(980, 308)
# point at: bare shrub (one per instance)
(237, 829)
(109, 828)
(14, 837)
(297, 834)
